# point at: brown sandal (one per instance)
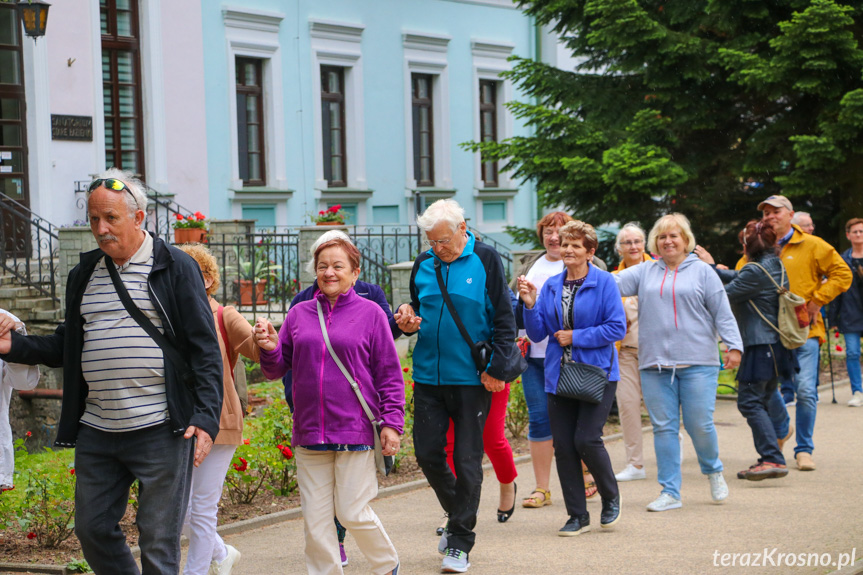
(590, 489)
(534, 501)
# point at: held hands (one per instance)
(265, 334)
(390, 441)
(491, 383)
(563, 337)
(527, 292)
(407, 320)
(203, 443)
(732, 359)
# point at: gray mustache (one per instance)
(107, 237)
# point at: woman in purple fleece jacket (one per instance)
(332, 436)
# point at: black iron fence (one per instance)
(28, 247)
(260, 271)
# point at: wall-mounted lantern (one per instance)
(34, 15)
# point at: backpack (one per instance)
(793, 317)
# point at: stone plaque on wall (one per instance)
(78, 128)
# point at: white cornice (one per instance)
(249, 19)
(426, 42)
(510, 4)
(332, 30)
(491, 49)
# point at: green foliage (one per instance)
(48, 507)
(262, 462)
(678, 106)
(525, 237)
(516, 410)
(78, 566)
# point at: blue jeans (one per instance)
(666, 392)
(106, 464)
(804, 385)
(852, 361)
(533, 385)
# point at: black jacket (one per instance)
(177, 291)
(751, 283)
(846, 311)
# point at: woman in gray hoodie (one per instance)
(682, 308)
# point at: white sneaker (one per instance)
(224, 566)
(664, 502)
(718, 487)
(631, 473)
(856, 400)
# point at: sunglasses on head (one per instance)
(109, 183)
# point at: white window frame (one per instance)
(255, 34)
(339, 44)
(489, 60)
(426, 53)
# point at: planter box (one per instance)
(189, 235)
(246, 292)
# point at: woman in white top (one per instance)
(537, 269)
(14, 376)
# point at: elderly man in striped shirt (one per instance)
(131, 403)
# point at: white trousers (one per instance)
(341, 483)
(205, 545)
(629, 406)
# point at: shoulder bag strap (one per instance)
(342, 367)
(778, 286)
(449, 305)
(769, 275)
(225, 339)
(168, 348)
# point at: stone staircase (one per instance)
(31, 306)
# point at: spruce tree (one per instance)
(704, 107)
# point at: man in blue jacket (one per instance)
(448, 384)
(128, 410)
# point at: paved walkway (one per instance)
(811, 512)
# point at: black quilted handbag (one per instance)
(581, 381)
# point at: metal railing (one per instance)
(28, 247)
(260, 271)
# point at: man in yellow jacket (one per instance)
(817, 273)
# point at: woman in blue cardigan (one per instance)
(581, 313)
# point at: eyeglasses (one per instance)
(433, 243)
(111, 184)
(630, 243)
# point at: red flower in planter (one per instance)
(179, 217)
(31, 535)
(242, 466)
(199, 216)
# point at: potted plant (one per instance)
(190, 229)
(332, 216)
(254, 274)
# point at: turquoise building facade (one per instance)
(362, 104)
